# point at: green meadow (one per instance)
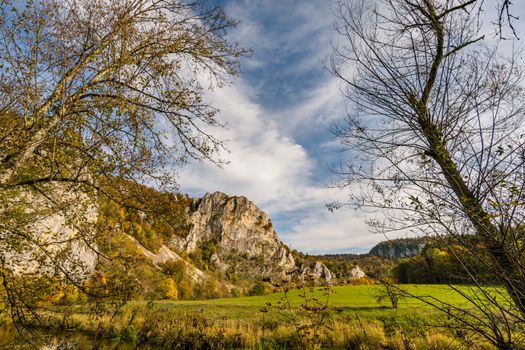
(351, 296)
(360, 300)
(352, 319)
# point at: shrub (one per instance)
(167, 289)
(258, 289)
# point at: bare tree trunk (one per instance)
(514, 282)
(439, 116)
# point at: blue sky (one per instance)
(279, 111)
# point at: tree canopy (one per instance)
(93, 92)
(436, 131)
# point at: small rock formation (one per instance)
(243, 240)
(356, 273)
(318, 272)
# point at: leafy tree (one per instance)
(391, 292)
(177, 271)
(259, 288)
(201, 257)
(153, 219)
(436, 129)
(209, 289)
(166, 289)
(92, 92)
(442, 262)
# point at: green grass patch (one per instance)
(351, 300)
(354, 319)
(357, 297)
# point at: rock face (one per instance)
(60, 230)
(356, 273)
(319, 272)
(242, 240)
(399, 248)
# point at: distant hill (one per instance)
(378, 262)
(421, 260)
(400, 248)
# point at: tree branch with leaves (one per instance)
(93, 92)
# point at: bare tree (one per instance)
(93, 91)
(506, 18)
(436, 134)
(388, 290)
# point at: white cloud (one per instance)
(319, 108)
(342, 231)
(267, 163)
(295, 27)
(267, 167)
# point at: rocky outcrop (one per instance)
(317, 272)
(399, 248)
(242, 240)
(57, 222)
(356, 273)
(165, 254)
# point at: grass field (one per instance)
(353, 320)
(352, 296)
(356, 299)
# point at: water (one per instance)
(69, 340)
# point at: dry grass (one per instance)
(166, 328)
(355, 321)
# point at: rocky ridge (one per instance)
(399, 248)
(243, 242)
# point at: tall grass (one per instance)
(354, 321)
(164, 329)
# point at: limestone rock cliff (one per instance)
(243, 241)
(356, 273)
(399, 248)
(58, 224)
(317, 271)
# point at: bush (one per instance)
(235, 293)
(167, 289)
(258, 288)
(174, 269)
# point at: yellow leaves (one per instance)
(122, 213)
(138, 229)
(441, 253)
(502, 207)
(171, 292)
(167, 289)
